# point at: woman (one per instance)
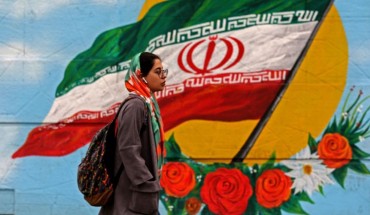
(140, 140)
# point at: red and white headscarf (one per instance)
(135, 84)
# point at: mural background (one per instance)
(39, 39)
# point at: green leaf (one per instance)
(359, 167)
(293, 206)
(366, 129)
(221, 165)
(348, 129)
(205, 211)
(361, 126)
(179, 207)
(361, 122)
(266, 211)
(204, 169)
(329, 129)
(173, 150)
(353, 139)
(252, 205)
(246, 170)
(174, 206)
(344, 126)
(334, 126)
(270, 163)
(340, 175)
(358, 153)
(303, 196)
(283, 168)
(321, 190)
(312, 143)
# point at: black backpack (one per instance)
(95, 175)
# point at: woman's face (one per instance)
(156, 79)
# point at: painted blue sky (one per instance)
(40, 37)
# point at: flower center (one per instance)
(226, 184)
(307, 169)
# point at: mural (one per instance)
(265, 108)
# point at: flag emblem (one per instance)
(234, 50)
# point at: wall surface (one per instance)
(265, 108)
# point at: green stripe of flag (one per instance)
(120, 44)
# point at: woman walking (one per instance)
(140, 139)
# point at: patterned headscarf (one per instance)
(135, 84)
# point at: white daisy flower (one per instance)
(308, 172)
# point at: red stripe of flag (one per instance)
(222, 102)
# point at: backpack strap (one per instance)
(115, 121)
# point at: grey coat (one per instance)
(137, 191)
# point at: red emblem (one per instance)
(225, 63)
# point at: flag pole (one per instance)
(249, 143)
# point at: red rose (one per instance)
(192, 205)
(177, 179)
(226, 191)
(335, 150)
(273, 188)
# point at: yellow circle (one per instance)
(306, 107)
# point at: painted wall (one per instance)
(312, 146)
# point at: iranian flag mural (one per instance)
(226, 64)
(259, 112)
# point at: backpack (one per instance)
(95, 174)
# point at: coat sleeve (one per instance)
(131, 120)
